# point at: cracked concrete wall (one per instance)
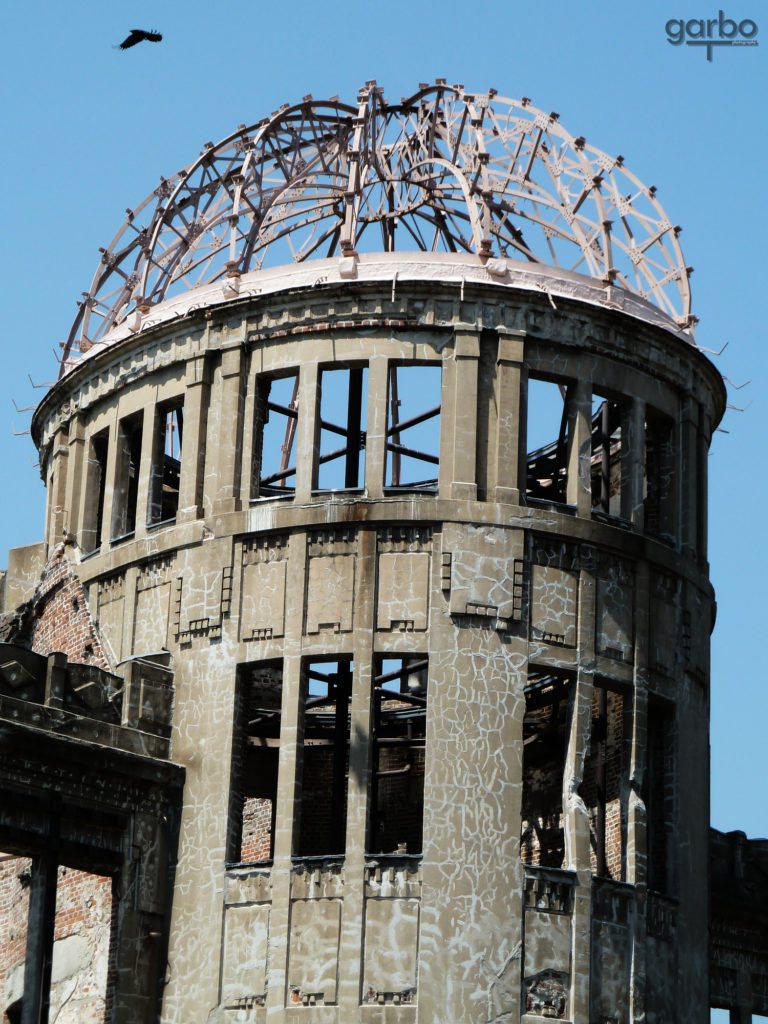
(493, 589)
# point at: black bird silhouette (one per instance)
(138, 35)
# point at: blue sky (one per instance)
(88, 130)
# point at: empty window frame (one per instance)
(275, 429)
(128, 461)
(548, 700)
(660, 475)
(323, 761)
(166, 462)
(605, 788)
(96, 483)
(660, 796)
(550, 430)
(255, 757)
(609, 438)
(397, 765)
(413, 426)
(343, 406)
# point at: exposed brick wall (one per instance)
(82, 994)
(14, 904)
(256, 843)
(62, 620)
(615, 754)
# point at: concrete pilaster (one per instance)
(228, 459)
(579, 490)
(460, 416)
(196, 398)
(512, 404)
(308, 433)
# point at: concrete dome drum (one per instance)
(376, 559)
(443, 170)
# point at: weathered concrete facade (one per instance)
(444, 734)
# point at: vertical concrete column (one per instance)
(512, 402)
(470, 935)
(111, 485)
(459, 419)
(352, 935)
(55, 679)
(145, 496)
(689, 460)
(75, 473)
(702, 504)
(57, 487)
(228, 457)
(288, 780)
(308, 434)
(575, 814)
(633, 463)
(129, 610)
(376, 431)
(40, 929)
(196, 398)
(637, 815)
(579, 490)
(250, 439)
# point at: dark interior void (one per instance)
(397, 769)
(413, 426)
(127, 482)
(659, 796)
(255, 755)
(166, 463)
(97, 474)
(323, 758)
(605, 788)
(545, 727)
(608, 440)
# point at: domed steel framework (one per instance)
(443, 170)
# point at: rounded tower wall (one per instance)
(442, 698)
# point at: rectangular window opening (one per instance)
(397, 770)
(548, 701)
(324, 758)
(413, 427)
(129, 437)
(605, 789)
(660, 796)
(255, 757)
(550, 429)
(166, 463)
(275, 429)
(96, 486)
(343, 405)
(660, 476)
(608, 455)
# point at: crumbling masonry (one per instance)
(366, 653)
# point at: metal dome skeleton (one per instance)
(444, 170)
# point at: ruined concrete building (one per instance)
(362, 675)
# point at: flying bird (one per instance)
(138, 35)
